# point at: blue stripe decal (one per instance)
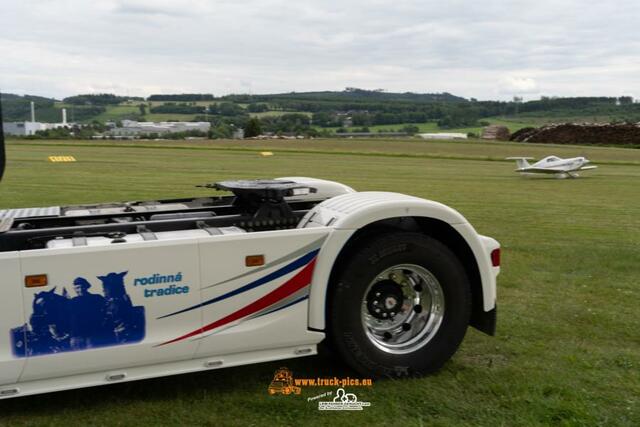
(303, 260)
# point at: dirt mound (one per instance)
(583, 134)
(522, 134)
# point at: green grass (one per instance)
(430, 127)
(117, 112)
(424, 127)
(567, 350)
(166, 117)
(514, 123)
(279, 113)
(381, 147)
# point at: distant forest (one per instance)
(351, 107)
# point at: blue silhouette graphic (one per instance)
(88, 320)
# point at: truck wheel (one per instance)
(400, 306)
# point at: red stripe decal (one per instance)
(297, 282)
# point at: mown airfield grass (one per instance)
(567, 349)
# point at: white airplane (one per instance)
(561, 168)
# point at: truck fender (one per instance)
(349, 213)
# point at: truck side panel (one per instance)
(11, 314)
(102, 305)
(254, 307)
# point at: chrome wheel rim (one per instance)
(402, 308)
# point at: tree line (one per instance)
(353, 106)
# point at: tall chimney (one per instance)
(64, 116)
(33, 112)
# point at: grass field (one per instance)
(567, 350)
(513, 124)
(279, 113)
(164, 117)
(117, 112)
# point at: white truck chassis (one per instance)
(97, 294)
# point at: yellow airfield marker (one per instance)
(57, 159)
(266, 153)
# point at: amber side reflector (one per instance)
(254, 260)
(36, 280)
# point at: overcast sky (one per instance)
(482, 49)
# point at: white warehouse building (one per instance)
(443, 135)
(30, 128)
(133, 128)
(23, 128)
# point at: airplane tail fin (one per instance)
(521, 162)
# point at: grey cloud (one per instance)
(178, 8)
(475, 49)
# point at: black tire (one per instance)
(370, 258)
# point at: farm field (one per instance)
(279, 113)
(513, 123)
(163, 117)
(567, 349)
(114, 113)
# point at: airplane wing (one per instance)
(585, 168)
(539, 170)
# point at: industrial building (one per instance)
(134, 128)
(443, 135)
(30, 128)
